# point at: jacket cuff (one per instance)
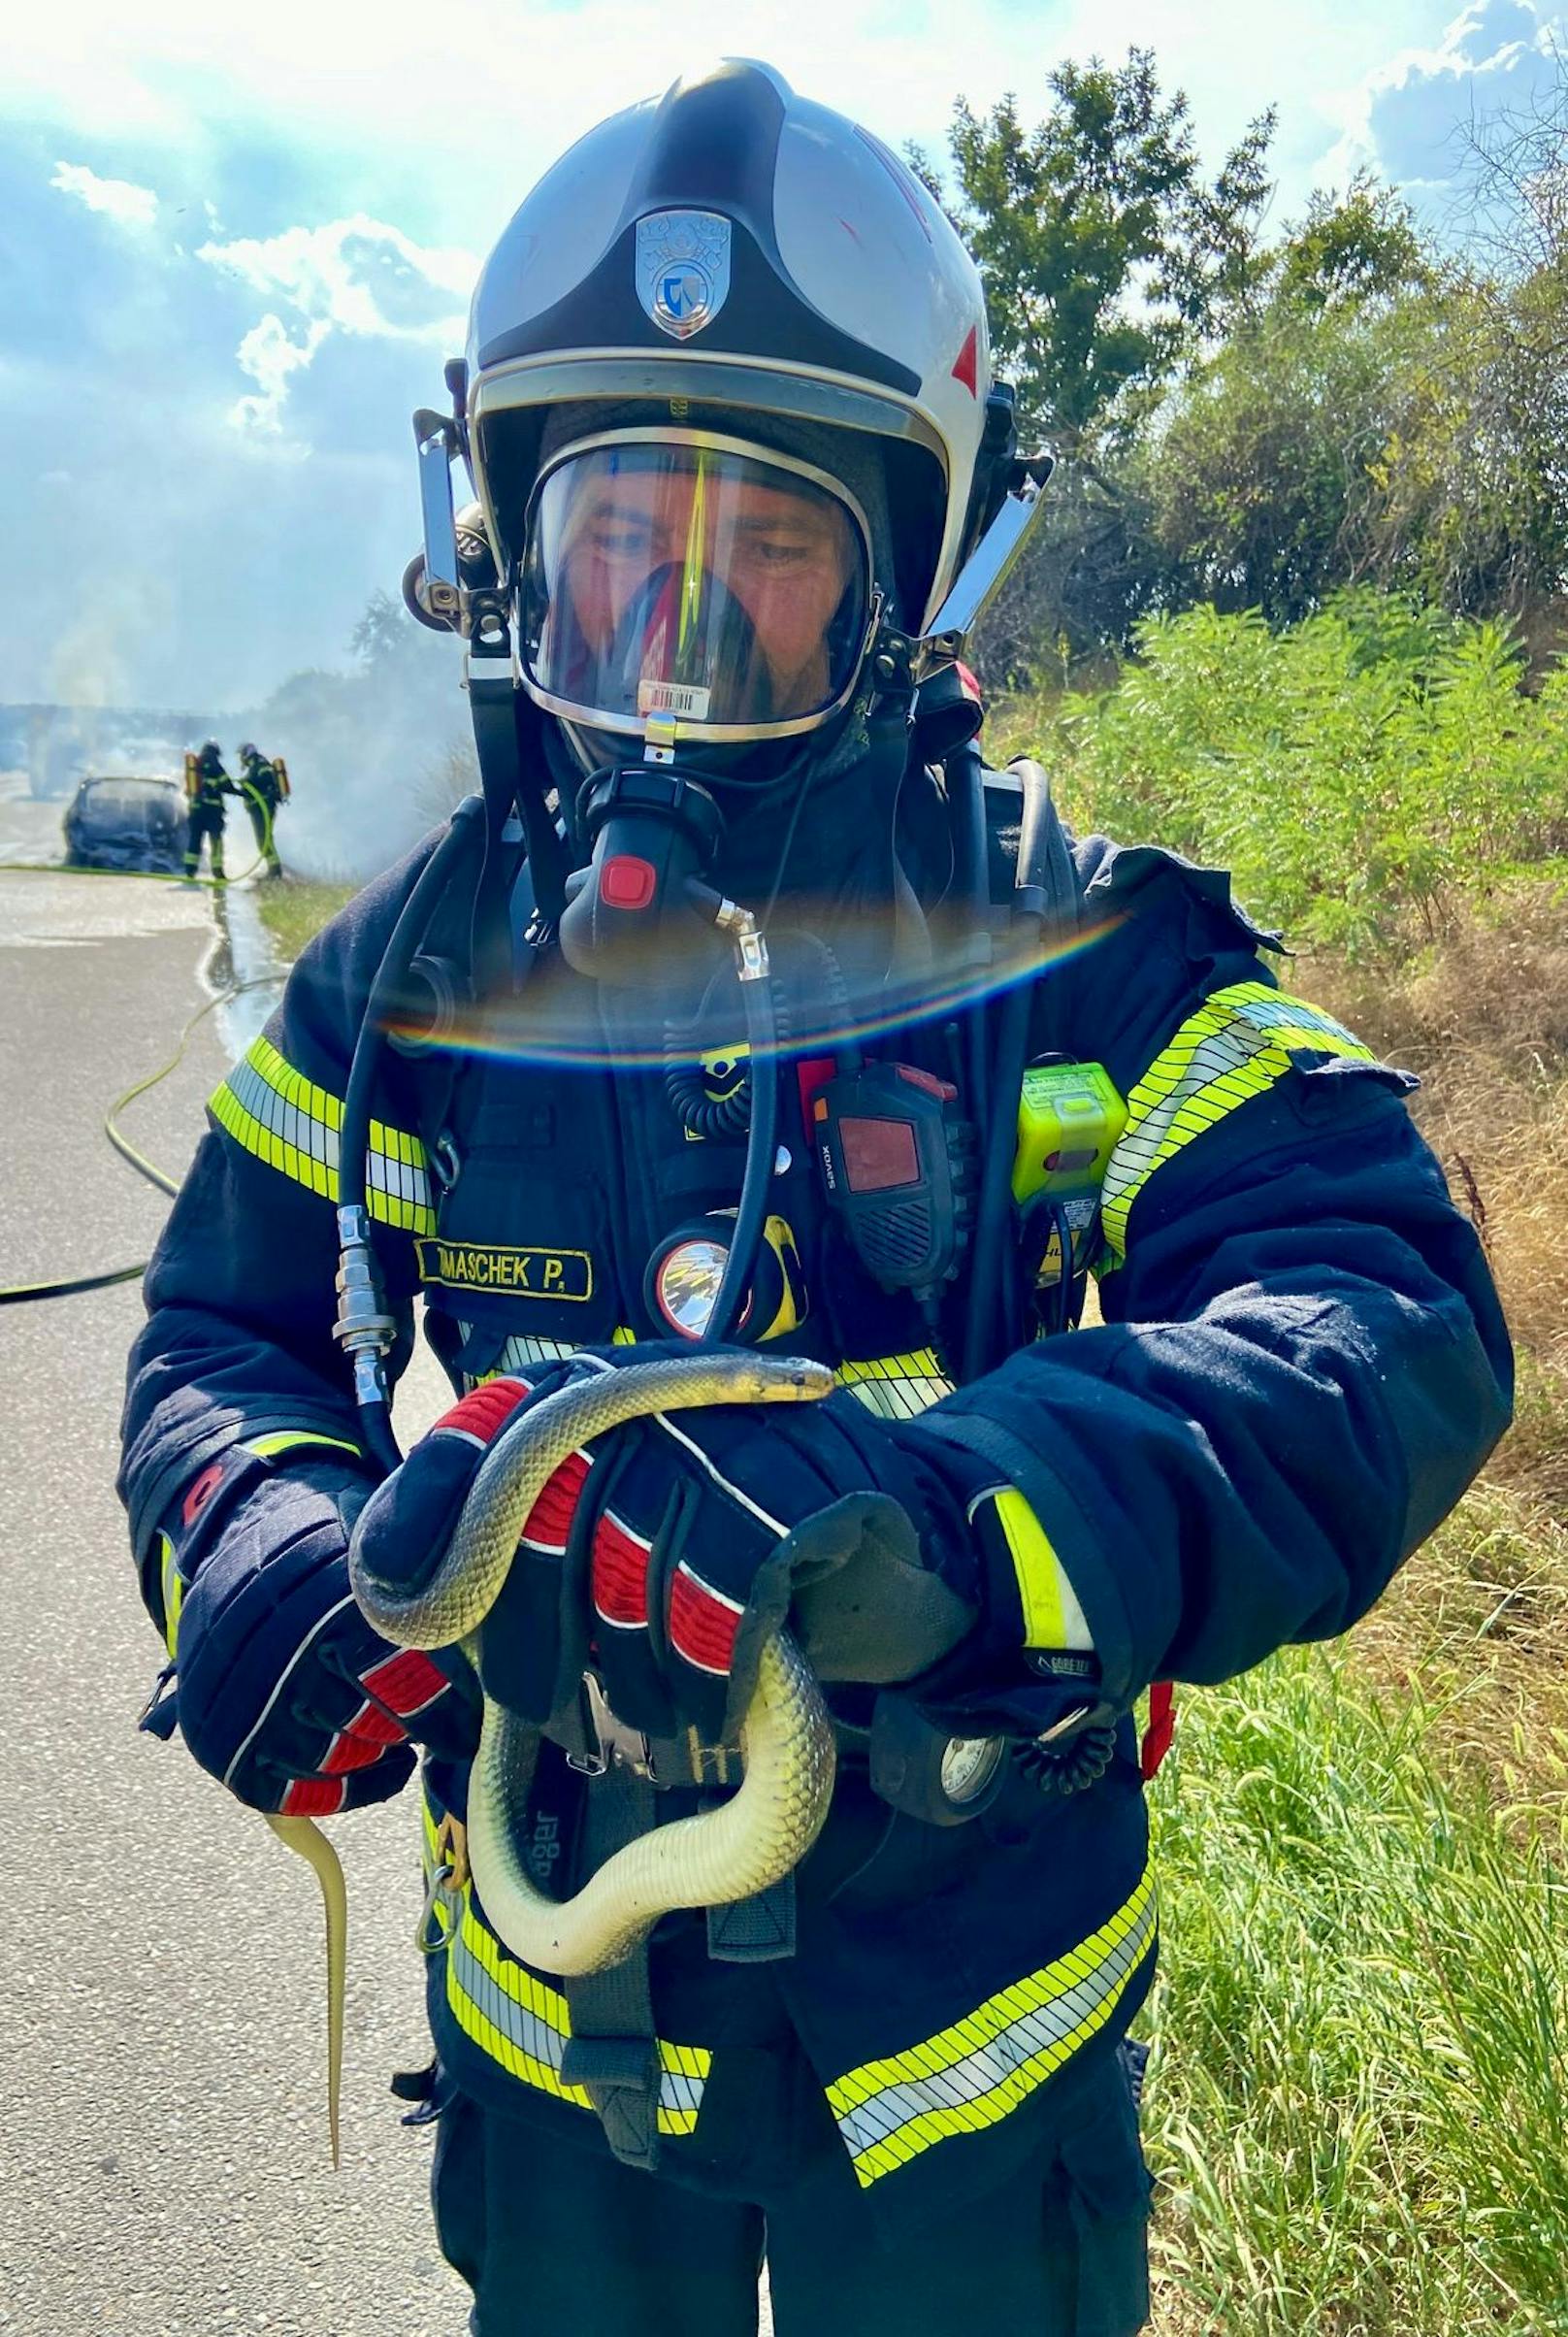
(153, 1490)
(212, 1491)
(1075, 1545)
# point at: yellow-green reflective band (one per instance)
(897, 1387)
(293, 1124)
(290, 1440)
(983, 2067)
(1038, 1568)
(523, 2024)
(173, 1586)
(1238, 1043)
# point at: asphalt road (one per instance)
(163, 2153)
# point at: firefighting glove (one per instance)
(284, 1693)
(663, 1552)
(664, 1555)
(407, 1526)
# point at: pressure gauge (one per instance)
(920, 1769)
(967, 1766)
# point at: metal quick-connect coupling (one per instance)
(364, 1329)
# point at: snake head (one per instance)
(789, 1379)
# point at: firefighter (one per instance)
(729, 411)
(206, 783)
(264, 785)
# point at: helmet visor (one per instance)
(691, 578)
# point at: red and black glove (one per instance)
(666, 1551)
(404, 1527)
(284, 1690)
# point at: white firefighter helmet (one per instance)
(714, 282)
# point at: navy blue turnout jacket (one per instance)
(1300, 1367)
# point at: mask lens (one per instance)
(692, 580)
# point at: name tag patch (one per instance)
(525, 1274)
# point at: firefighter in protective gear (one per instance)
(206, 783)
(264, 785)
(731, 425)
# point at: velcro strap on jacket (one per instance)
(194, 1520)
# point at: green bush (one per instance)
(1372, 761)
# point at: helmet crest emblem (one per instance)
(684, 269)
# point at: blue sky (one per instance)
(237, 249)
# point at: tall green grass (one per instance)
(1359, 2102)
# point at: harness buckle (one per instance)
(616, 1741)
(440, 1916)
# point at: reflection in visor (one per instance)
(692, 579)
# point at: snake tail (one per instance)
(305, 1838)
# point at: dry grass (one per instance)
(1483, 1018)
(1477, 1623)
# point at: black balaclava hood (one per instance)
(826, 798)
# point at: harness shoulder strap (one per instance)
(1053, 857)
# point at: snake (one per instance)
(305, 1838)
(723, 1854)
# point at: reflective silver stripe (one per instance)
(522, 2023)
(897, 1387)
(293, 1124)
(987, 2065)
(522, 2027)
(523, 1354)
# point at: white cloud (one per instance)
(448, 123)
(116, 198)
(269, 357)
(356, 276)
(1408, 119)
(348, 273)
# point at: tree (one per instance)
(1104, 252)
(385, 631)
(1258, 487)
(1473, 481)
(1279, 467)
(1350, 251)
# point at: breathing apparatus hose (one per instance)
(364, 1330)
(713, 1118)
(964, 773)
(751, 1213)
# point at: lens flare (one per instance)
(573, 1024)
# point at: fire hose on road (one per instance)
(18, 1294)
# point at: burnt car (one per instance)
(126, 823)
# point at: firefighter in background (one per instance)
(264, 784)
(206, 783)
